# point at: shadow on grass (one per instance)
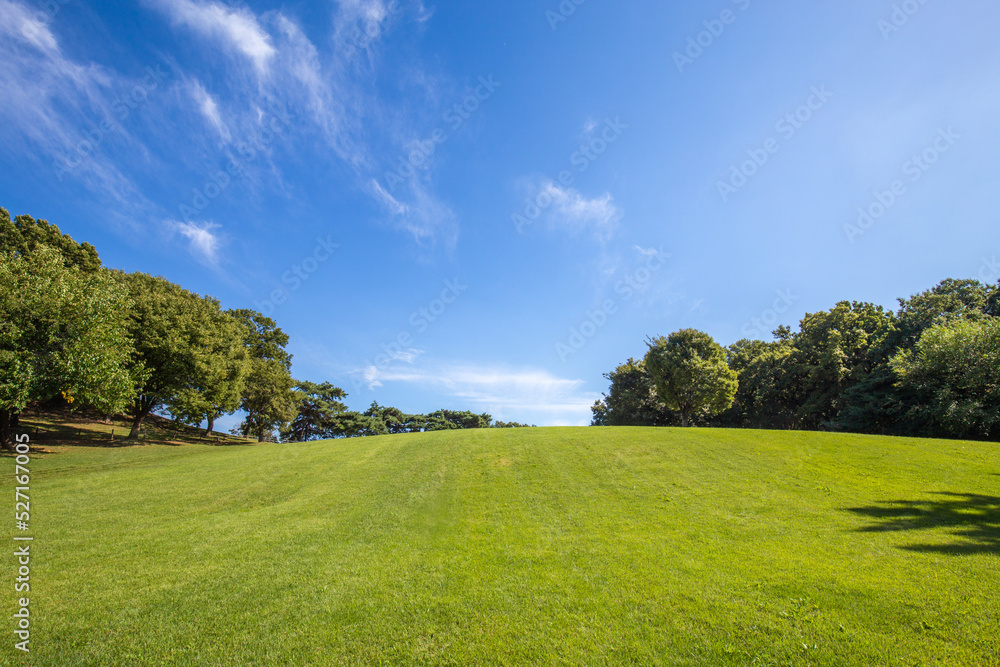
(973, 520)
(62, 428)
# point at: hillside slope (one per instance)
(534, 546)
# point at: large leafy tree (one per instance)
(269, 398)
(834, 351)
(954, 371)
(631, 400)
(690, 374)
(767, 394)
(62, 331)
(948, 300)
(219, 372)
(24, 234)
(182, 340)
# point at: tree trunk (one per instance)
(211, 426)
(260, 436)
(142, 410)
(7, 421)
(684, 419)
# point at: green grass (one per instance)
(535, 546)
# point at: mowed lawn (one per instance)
(597, 546)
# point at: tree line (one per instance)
(929, 368)
(74, 331)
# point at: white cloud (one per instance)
(425, 218)
(390, 203)
(238, 27)
(19, 22)
(210, 110)
(202, 242)
(505, 392)
(571, 211)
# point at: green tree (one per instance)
(834, 351)
(767, 392)
(177, 336)
(269, 398)
(62, 331)
(690, 374)
(631, 400)
(954, 370)
(319, 413)
(948, 300)
(24, 235)
(219, 372)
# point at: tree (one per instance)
(690, 374)
(954, 370)
(766, 397)
(631, 399)
(948, 300)
(62, 332)
(219, 373)
(269, 397)
(834, 350)
(177, 336)
(319, 413)
(24, 235)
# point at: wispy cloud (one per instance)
(501, 390)
(203, 243)
(234, 27)
(210, 110)
(572, 212)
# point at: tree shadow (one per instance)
(973, 520)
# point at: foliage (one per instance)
(319, 413)
(24, 235)
(62, 333)
(954, 370)
(631, 400)
(690, 374)
(269, 398)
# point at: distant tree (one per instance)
(954, 370)
(269, 398)
(62, 332)
(319, 413)
(690, 374)
(24, 235)
(631, 400)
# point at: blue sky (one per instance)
(486, 206)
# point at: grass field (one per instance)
(537, 546)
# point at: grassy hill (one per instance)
(535, 546)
